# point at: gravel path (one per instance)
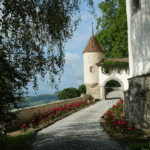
(113, 95)
(79, 131)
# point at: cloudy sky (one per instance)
(73, 75)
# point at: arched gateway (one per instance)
(104, 86)
(94, 79)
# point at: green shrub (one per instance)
(68, 93)
(82, 89)
(113, 83)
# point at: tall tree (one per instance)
(30, 31)
(113, 37)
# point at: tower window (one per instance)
(136, 5)
(91, 69)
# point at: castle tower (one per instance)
(92, 54)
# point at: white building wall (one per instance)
(138, 38)
(90, 60)
(122, 77)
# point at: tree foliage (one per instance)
(68, 93)
(113, 83)
(72, 92)
(113, 37)
(24, 33)
(82, 89)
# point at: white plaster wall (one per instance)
(123, 76)
(138, 38)
(128, 13)
(90, 59)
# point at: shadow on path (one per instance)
(113, 98)
(113, 95)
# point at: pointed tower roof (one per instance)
(92, 45)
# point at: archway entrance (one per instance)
(112, 90)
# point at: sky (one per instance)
(73, 75)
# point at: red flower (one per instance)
(40, 117)
(66, 107)
(24, 125)
(113, 116)
(129, 128)
(114, 123)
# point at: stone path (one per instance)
(78, 131)
(113, 95)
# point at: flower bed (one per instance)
(39, 119)
(117, 127)
(117, 124)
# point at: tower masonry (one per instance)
(92, 54)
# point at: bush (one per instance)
(113, 83)
(68, 93)
(82, 89)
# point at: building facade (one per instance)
(94, 79)
(136, 83)
(137, 97)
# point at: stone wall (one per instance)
(137, 102)
(93, 90)
(25, 114)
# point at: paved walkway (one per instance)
(79, 131)
(113, 95)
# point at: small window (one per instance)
(91, 69)
(136, 5)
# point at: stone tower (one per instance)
(92, 54)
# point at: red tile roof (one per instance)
(92, 45)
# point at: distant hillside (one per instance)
(46, 98)
(43, 96)
(57, 92)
